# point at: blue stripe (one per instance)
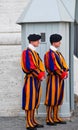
(61, 95)
(51, 64)
(36, 87)
(58, 60)
(50, 91)
(27, 60)
(31, 93)
(35, 83)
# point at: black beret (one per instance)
(34, 37)
(55, 38)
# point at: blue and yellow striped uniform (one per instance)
(55, 64)
(32, 66)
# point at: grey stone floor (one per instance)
(18, 123)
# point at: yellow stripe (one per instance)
(33, 96)
(35, 59)
(39, 65)
(53, 90)
(29, 119)
(63, 62)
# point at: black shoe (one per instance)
(39, 126)
(50, 123)
(31, 128)
(61, 122)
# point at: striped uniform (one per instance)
(55, 64)
(33, 68)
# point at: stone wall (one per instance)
(10, 52)
(10, 10)
(10, 80)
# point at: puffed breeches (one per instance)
(54, 90)
(31, 93)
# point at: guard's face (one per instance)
(35, 43)
(57, 44)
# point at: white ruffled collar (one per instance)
(53, 48)
(32, 47)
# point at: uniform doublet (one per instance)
(34, 69)
(55, 64)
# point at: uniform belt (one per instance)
(52, 73)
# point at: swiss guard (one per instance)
(57, 72)
(33, 68)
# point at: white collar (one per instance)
(53, 48)
(32, 47)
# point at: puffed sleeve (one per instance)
(28, 65)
